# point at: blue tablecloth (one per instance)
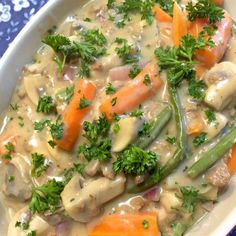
(14, 14)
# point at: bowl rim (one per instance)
(227, 224)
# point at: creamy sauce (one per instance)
(42, 78)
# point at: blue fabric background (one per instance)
(14, 14)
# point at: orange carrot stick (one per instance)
(195, 27)
(231, 161)
(195, 128)
(126, 225)
(161, 15)
(134, 93)
(180, 26)
(210, 56)
(219, 2)
(74, 116)
(200, 70)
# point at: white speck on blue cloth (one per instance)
(14, 14)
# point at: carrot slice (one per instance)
(200, 70)
(134, 93)
(161, 15)
(210, 56)
(231, 161)
(74, 116)
(195, 27)
(125, 225)
(219, 2)
(195, 127)
(180, 25)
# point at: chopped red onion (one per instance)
(68, 74)
(153, 194)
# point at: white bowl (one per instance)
(217, 223)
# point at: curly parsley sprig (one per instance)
(128, 7)
(205, 9)
(179, 62)
(91, 46)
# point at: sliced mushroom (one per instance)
(36, 223)
(92, 168)
(210, 192)
(65, 28)
(128, 131)
(83, 202)
(212, 129)
(221, 81)
(169, 200)
(16, 189)
(107, 170)
(32, 84)
(15, 183)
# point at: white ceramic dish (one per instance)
(218, 223)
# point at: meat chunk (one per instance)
(83, 200)
(17, 189)
(219, 175)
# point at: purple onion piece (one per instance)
(153, 194)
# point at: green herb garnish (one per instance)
(84, 103)
(39, 163)
(199, 140)
(45, 104)
(205, 9)
(46, 197)
(135, 161)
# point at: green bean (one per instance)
(180, 153)
(208, 158)
(160, 122)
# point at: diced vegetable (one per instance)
(128, 131)
(210, 56)
(89, 198)
(161, 15)
(160, 122)
(219, 2)
(195, 27)
(200, 70)
(207, 159)
(120, 73)
(74, 116)
(195, 128)
(129, 224)
(231, 161)
(170, 200)
(179, 25)
(214, 128)
(194, 121)
(134, 93)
